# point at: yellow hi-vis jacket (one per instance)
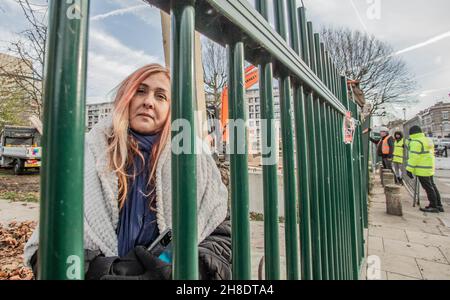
(420, 155)
(398, 151)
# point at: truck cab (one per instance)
(20, 148)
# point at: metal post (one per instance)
(239, 166)
(184, 175)
(352, 186)
(315, 215)
(290, 199)
(321, 171)
(304, 183)
(61, 213)
(304, 45)
(293, 26)
(312, 51)
(327, 185)
(270, 171)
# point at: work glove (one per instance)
(154, 268)
(410, 175)
(125, 266)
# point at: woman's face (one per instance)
(150, 106)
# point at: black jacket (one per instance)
(391, 144)
(214, 256)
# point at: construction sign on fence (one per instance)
(348, 128)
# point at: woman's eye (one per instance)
(161, 96)
(141, 91)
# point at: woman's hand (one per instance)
(99, 265)
(154, 268)
(128, 265)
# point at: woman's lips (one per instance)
(146, 115)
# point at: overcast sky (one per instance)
(126, 34)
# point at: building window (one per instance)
(445, 115)
(252, 116)
(251, 108)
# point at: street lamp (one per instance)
(404, 113)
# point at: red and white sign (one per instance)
(348, 128)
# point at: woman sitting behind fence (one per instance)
(127, 196)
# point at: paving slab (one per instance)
(398, 264)
(446, 252)
(395, 276)
(428, 239)
(391, 233)
(414, 250)
(375, 243)
(434, 271)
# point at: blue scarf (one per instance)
(137, 222)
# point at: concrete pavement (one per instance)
(18, 211)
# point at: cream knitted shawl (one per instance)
(101, 212)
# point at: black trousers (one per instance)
(387, 162)
(432, 191)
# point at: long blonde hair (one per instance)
(122, 147)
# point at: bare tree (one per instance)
(384, 78)
(30, 50)
(214, 63)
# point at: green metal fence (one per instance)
(325, 180)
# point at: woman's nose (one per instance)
(149, 101)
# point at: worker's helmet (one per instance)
(385, 129)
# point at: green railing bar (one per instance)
(239, 167)
(346, 200)
(333, 186)
(270, 177)
(341, 199)
(321, 171)
(330, 74)
(361, 169)
(340, 92)
(304, 45)
(304, 183)
(324, 70)
(327, 185)
(290, 199)
(320, 198)
(334, 81)
(319, 58)
(270, 171)
(184, 175)
(262, 7)
(315, 214)
(280, 18)
(312, 51)
(61, 212)
(293, 26)
(360, 183)
(353, 197)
